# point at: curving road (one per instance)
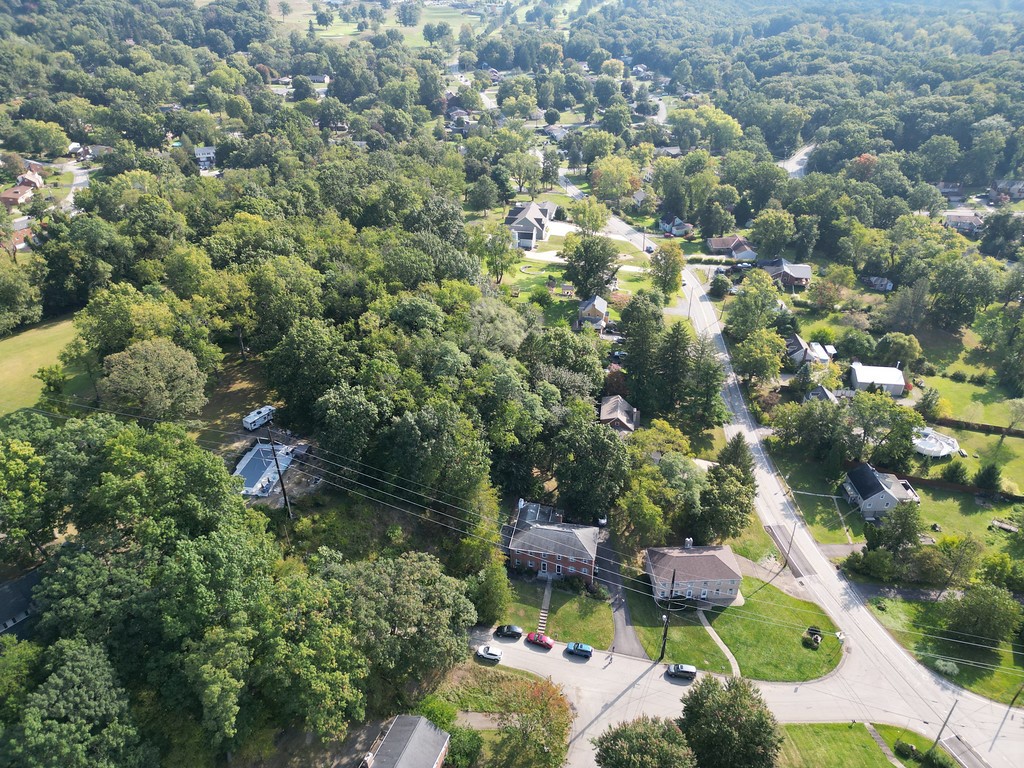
(877, 681)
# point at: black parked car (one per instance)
(509, 630)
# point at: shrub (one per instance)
(927, 368)
(989, 477)
(947, 668)
(574, 584)
(598, 592)
(960, 376)
(937, 759)
(438, 711)
(464, 747)
(904, 750)
(539, 295)
(720, 286)
(824, 336)
(955, 472)
(981, 379)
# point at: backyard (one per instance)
(995, 673)
(765, 634)
(973, 402)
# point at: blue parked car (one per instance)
(580, 649)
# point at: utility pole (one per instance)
(277, 466)
(664, 617)
(943, 727)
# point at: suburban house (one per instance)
(964, 223)
(876, 283)
(206, 157)
(639, 197)
(821, 393)
(619, 414)
(538, 540)
(593, 312)
(556, 132)
(456, 113)
(529, 223)
(694, 573)
(953, 191)
(673, 225)
(879, 377)
(15, 196)
(874, 492)
(31, 179)
(320, 79)
(788, 274)
(1014, 190)
(672, 152)
(735, 246)
(800, 351)
(410, 741)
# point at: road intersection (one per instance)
(877, 680)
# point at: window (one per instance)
(519, 563)
(572, 569)
(584, 570)
(572, 559)
(558, 569)
(689, 592)
(731, 591)
(887, 505)
(530, 564)
(661, 593)
(543, 566)
(558, 558)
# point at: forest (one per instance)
(344, 244)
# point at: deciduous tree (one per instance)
(728, 724)
(647, 742)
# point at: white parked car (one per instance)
(489, 653)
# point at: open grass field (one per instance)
(996, 673)
(302, 13)
(531, 273)
(764, 634)
(830, 745)
(582, 619)
(688, 641)
(971, 402)
(22, 354)
(524, 610)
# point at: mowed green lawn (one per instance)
(995, 673)
(765, 634)
(688, 641)
(821, 514)
(972, 402)
(581, 619)
(830, 745)
(893, 733)
(22, 354)
(960, 513)
(524, 609)
(1005, 452)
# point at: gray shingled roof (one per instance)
(864, 480)
(565, 539)
(411, 742)
(693, 564)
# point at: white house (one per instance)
(529, 223)
(876, 493)
(881, 377)
(206, 157)
(673, 225)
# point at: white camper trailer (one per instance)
(259, 417)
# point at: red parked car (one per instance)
(540, 639)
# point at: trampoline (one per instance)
(257, 470)
(928, 442)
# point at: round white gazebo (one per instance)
(928, 442)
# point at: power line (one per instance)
(734, 610)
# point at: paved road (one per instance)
(877, 681)
(796, 166)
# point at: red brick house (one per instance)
(538, 540)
